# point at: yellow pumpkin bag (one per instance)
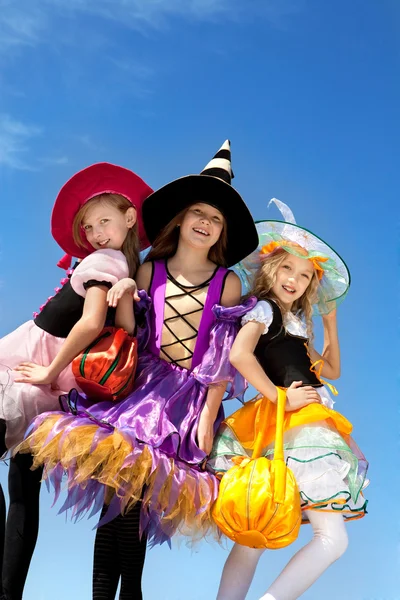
(259, 503)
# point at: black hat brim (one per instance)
(164, 204)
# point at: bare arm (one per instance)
(143, 276)
(232, 290)
(122, 293)
(124, 315)
(215, 393)
(331, 352)
(81, 335)
(122, 296)
(243, 359)
(205, 431)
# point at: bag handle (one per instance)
(279, 462)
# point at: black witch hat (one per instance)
(211, 186)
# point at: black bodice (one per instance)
(65, 309)
(283, 356)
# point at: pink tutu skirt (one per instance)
(21, 402)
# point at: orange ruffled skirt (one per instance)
(329, 468)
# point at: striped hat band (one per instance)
(220, 165)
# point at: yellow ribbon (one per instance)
(318, 371)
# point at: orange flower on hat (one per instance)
(315, 260)
(319, 269)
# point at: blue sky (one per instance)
(308, 93)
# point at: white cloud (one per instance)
(139, 71)
(54, 161)
(21, 24)
(153, 13)
(87, 141)
(29, 22)
(58, 24)
(15, 137)
(16, 152)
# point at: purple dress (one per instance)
(145, 447)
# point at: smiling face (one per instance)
(292, 278)
(105, 226)
(202, 225)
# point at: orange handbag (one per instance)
(259, 502)
(106, 369)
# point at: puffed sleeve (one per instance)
(102, 267)
(216, 366)
(261, 313)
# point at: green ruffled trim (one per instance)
(241, 451)
(354, 479)
(315, 457)
(353, 476)
(334, 448)
(325, 502)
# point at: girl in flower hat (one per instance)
(97, 219)
(293, 274)
(151, 447)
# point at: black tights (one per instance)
(119, 553)
(19, 533)
(2, 534)
(22, 525)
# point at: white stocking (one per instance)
(238, 572)
(328, 544)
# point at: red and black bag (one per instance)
(106, 369)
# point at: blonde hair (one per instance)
(130, 247)
(264, 281)
(166, 243)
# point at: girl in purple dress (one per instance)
(151, 447)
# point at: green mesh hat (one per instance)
(333, 274)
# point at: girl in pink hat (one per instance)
(96, 218)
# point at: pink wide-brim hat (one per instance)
(100, 178)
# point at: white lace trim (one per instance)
(294, 325)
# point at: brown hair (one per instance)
(166, 243)
(264, 281)
(130, 247)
